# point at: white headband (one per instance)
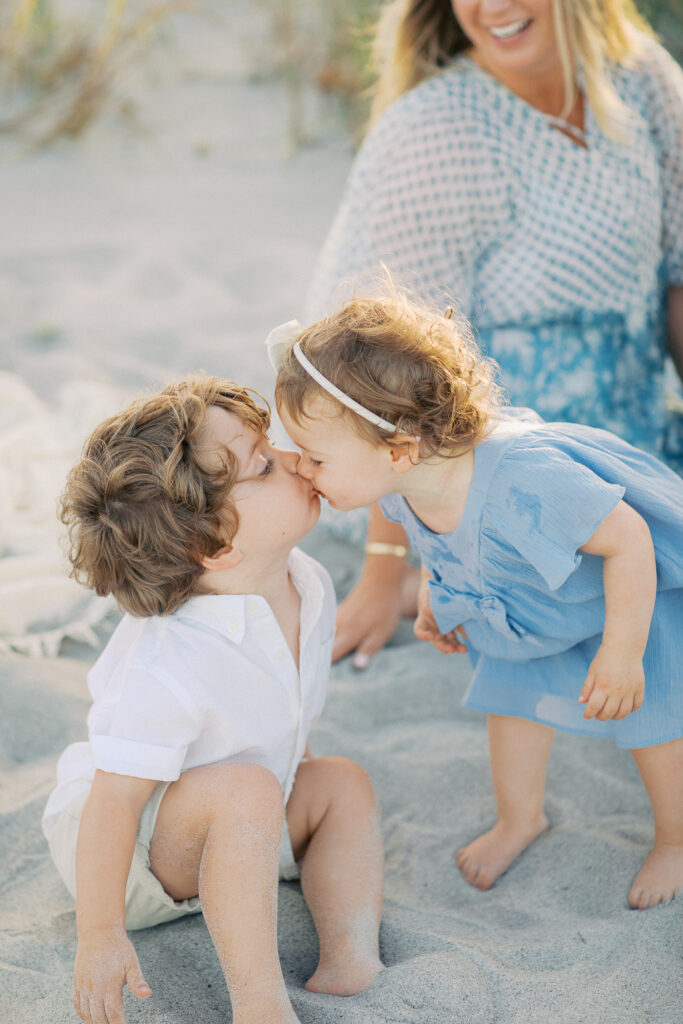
(279, 342)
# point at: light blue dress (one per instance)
(532, 604)
(560, 256)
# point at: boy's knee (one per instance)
(348, 779)
(254, 788)
(241, 789)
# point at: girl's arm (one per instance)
(370, 614)
(106, 959)
(425, 627)
(615, 682)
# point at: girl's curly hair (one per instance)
(413, 367)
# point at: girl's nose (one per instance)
(291, 460)
(303, 467)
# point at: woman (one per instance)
(526, 160)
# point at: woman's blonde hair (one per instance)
(142, 506)
(417, 38)
(416, 368)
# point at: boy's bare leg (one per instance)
(661, 876)
(519, 759)
(334, 825)
(218, 835)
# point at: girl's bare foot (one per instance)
(660, 879)
(345, 975)
(489, 856)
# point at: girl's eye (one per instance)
(267, 468)
(314, 462)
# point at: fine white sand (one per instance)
(132, 257)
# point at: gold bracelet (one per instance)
(377, 547)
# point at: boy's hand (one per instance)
(614, 686)
(426, 629)
(104, 964)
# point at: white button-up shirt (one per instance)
(215, 681)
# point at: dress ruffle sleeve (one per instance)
(546, 506)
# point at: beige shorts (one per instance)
(147, 902)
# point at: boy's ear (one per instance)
(225, 558)
(405, 452)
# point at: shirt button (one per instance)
(253, 604)
(280, 654)
(233, 628)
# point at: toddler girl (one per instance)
(551, 552)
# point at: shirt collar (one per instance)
(228, 614)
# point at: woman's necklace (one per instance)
(578, 134)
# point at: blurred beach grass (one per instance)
(58, 66)
(61, 62)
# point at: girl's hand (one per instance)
(614, 686)
(426, 629)
(104, 964)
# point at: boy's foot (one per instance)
(659, 880)
(489, 856)
(345, 976)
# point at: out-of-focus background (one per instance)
(168, 171)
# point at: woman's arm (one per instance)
(615, 682)
(675, 299)
(370, 614)
(106, 959)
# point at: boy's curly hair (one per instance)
(142, 507)
(414, 367)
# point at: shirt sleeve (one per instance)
(663, 85)
(146, 732)
(425, 196)
(546, 506)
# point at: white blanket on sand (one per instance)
(40, 605)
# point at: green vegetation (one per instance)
(57, 74)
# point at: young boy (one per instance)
(195, 781)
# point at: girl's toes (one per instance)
(484, 879)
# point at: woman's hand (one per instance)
(105, 962)
(614, 686)
(369, 616)
(426, 629)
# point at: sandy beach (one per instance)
(143, 252)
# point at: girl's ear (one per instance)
(225, 558)
(405, 452)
